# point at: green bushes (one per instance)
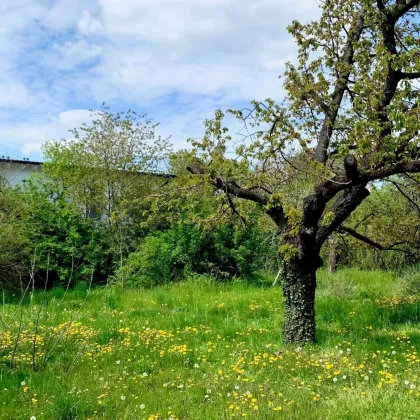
(224, 252)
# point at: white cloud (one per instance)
(29, 136)
(88, 25)
(176, 59)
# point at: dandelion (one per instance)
(33, 418)
(335, 379)
(236, 387)
(394, 352)
(344, 377)
(142, 406)
(122, 397)
(406, 382)
(118, 362)
(23, 383)
(165, 385)
(228, 394)
(366, 378)
(412, 386)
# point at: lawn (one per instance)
(202, 350)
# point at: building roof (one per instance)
(35, 163)
(26, 162)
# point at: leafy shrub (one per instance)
(225, 252)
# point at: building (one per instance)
(15, 171)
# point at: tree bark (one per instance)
(332, 254)
(299, 284)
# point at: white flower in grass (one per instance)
(118, 362)
(406, 382)
(344, 377)
(33, 418)
(142, 406)
(335, 379)
(122, 397)
(145, 374)
(209, 391)
(394, 352)
(23, 383)
(196, 365)
(236, 387)
(412, 386)
(366, 378)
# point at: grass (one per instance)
(200, 350)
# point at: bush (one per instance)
(225, 252)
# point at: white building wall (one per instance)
(16, 172)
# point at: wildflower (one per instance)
(335, 379)
(142, 406)
(344, 377)
(122, 397)
(196, 365)
(412, 386)
(366, 378)
(236, 387)
(394, 352)
(228, 394)
(209, 391)
(23, 383)
(165, 385)
(145, 374)
(33, 418)
(406, 382)
(118, 362)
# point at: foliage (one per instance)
(13, 235)
(225, 251)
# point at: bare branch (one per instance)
(366, 240)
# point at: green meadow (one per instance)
(205, 350)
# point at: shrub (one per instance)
(224, 252)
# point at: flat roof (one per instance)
(27, 162)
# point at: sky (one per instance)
(176, 60)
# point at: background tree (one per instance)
(350, 117)
(104, 169)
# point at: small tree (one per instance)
(350, 117)
(106, 166)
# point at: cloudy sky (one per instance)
(177, 60)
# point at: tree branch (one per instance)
(398, 168)
(365, 239)
(231, 187)
(346, 59)
(343, 206)
(410, 76)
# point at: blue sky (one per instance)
(177, 60)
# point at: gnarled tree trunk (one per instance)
(299, 284)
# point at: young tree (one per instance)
(350, 117)
(105, 168)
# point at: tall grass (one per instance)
(198, 350)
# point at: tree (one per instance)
(350, 117)
(106, 167)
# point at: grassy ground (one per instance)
(197, 350)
